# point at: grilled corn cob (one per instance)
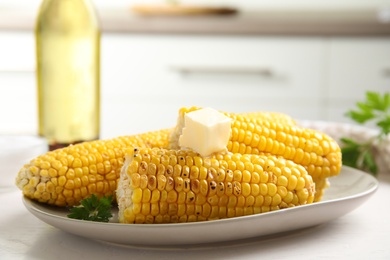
(316, 151)
(65, 176)
(164, 186)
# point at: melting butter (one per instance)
(206, 131)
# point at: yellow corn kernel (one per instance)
(146, 195)
(210, 197)
(92, 167)
(137, 195)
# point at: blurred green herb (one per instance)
(93, 209)
(376, 107)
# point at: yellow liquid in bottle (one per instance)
(68, 72)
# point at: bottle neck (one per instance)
(69, 13)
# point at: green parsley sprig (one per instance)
(93, 209)
(376, 107)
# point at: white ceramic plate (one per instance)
(347, 191)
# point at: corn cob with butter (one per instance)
(167, 186)
(65, 176)
(316, 151)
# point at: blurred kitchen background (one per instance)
(311, 59)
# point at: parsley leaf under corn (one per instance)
(376, 108)
(93, 209)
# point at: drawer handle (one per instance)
(186, 70)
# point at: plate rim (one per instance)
(38, 211)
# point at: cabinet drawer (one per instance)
(18, 104)
(17, 83)
(17, 52)
(357, 65)
(229, 66)
(155, 75)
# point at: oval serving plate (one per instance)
(347, 191)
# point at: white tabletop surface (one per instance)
(361, 234)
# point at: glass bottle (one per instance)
(67, 38)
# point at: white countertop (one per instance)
(361, 234)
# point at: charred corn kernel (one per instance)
(211, 197)
(258, 133)
(91, 167)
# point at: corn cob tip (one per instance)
(65, 176)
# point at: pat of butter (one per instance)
(206, 131)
